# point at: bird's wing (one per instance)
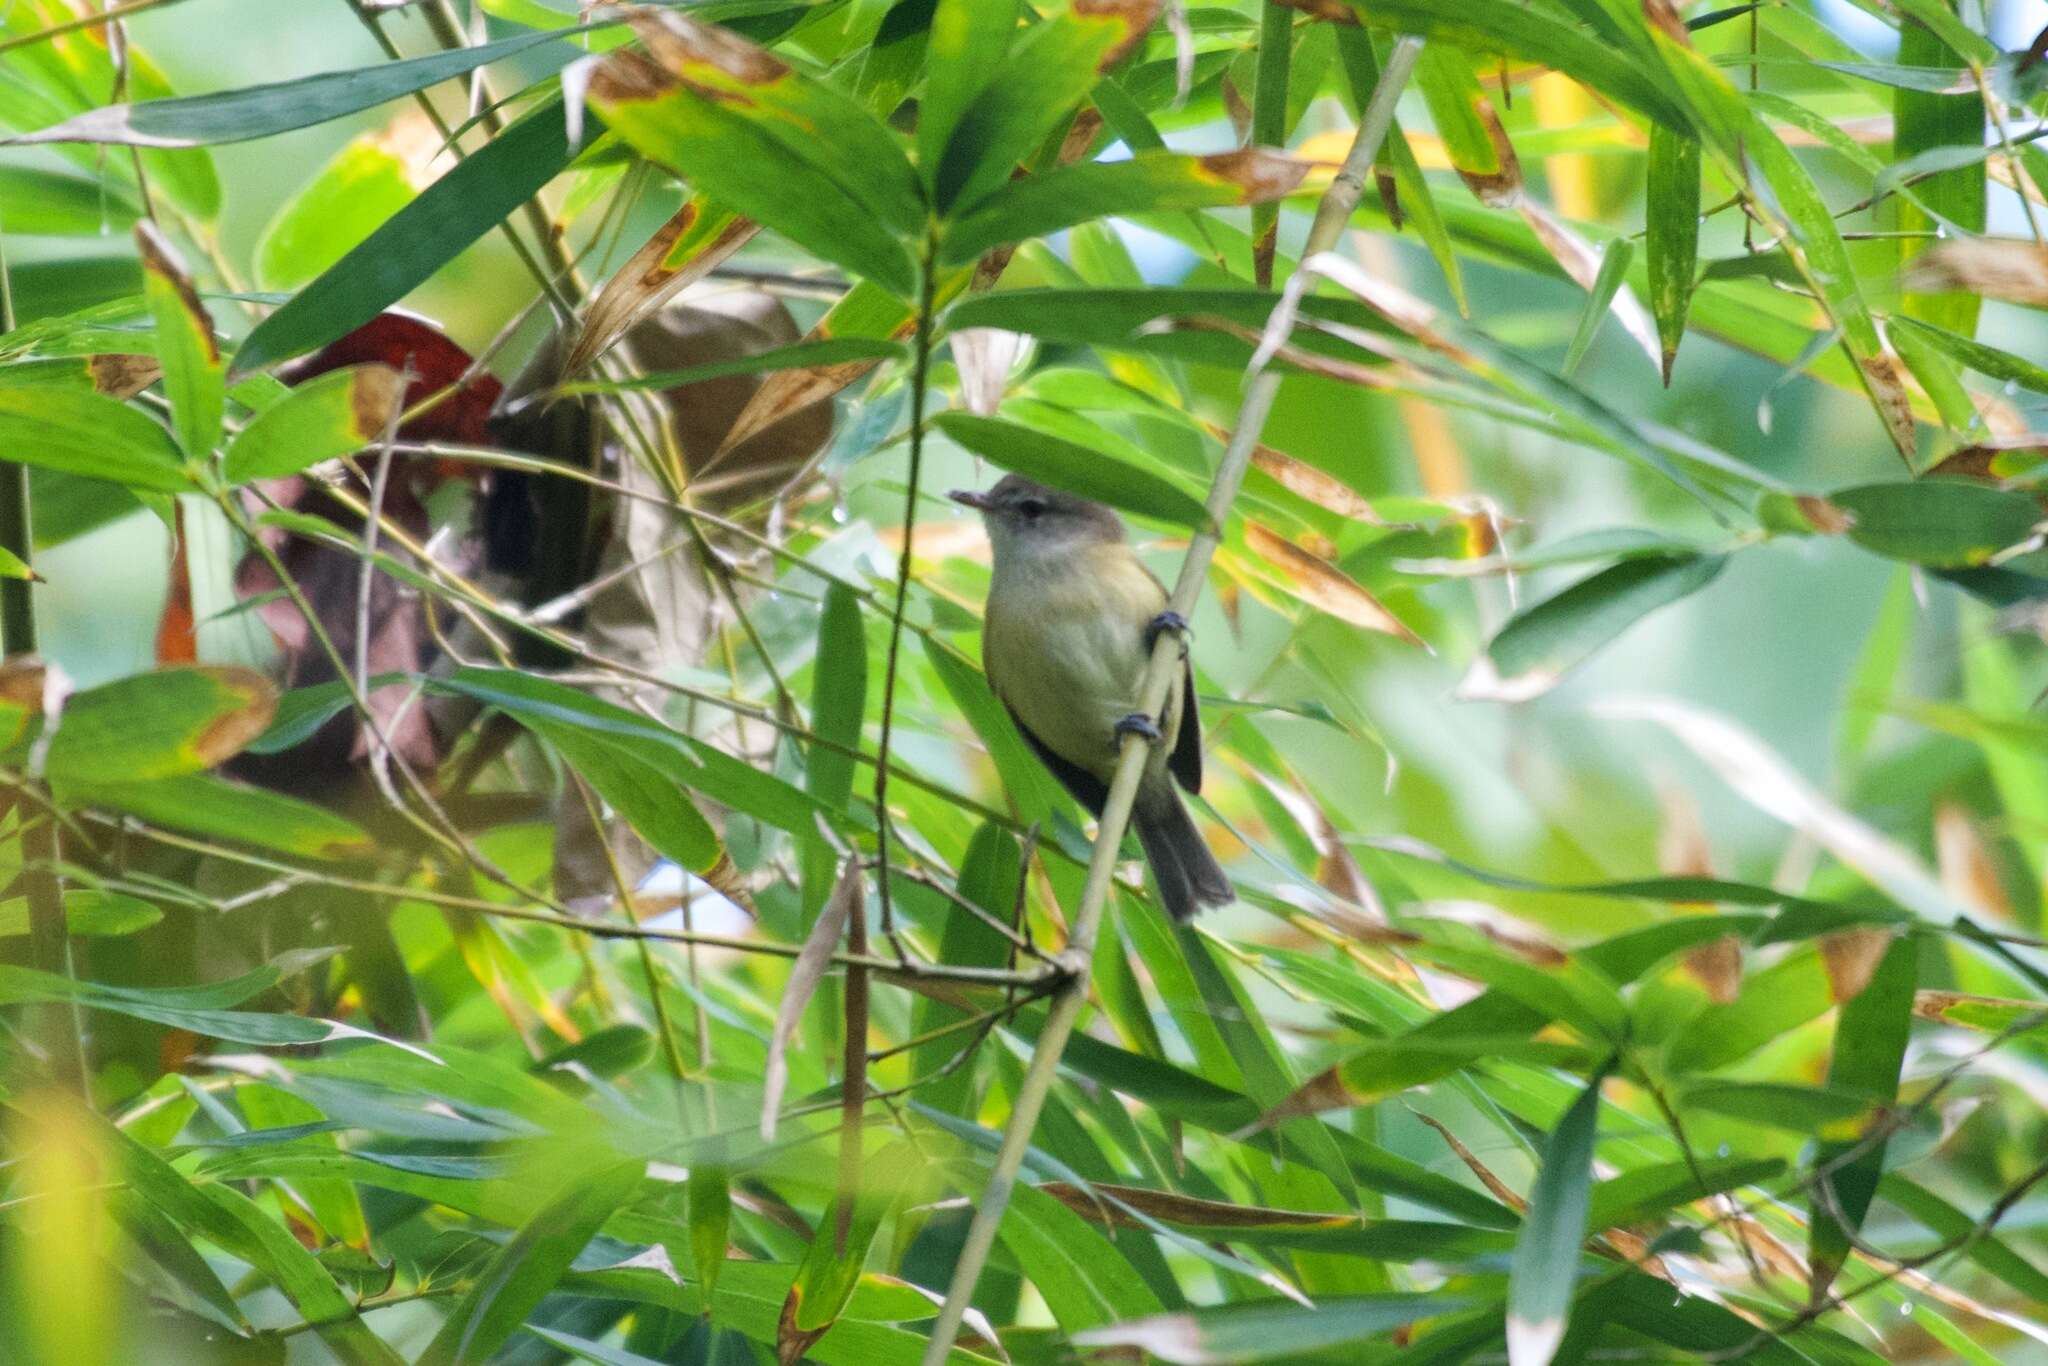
(1086, 788)
(1186, 759)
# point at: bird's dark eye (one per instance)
(1031, 509)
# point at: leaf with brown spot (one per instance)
(22, 680)
(1473, 137)
(682, 251)
(1683, 851)
(195, 380)
(123, 376)
(1850, 957)
(1988, 1014)
(337, 414)
(752, 133)
(159, 725)
(1823, 516)
(1964, 862)
(1149, 182)
(1323, 586)
(1326, 491)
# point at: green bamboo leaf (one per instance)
(796, 356)
(708, 1210)
(1073, 467)
(636, 765)
(1534, 651)
(1271, 58)
(84, 433)
(263, 110)
(1946, 523)
(964, 53)
(755, 134)
(1638, 1196)
(1613, 270)
(1782, 1105)
(513, 1283)
(838, 1251)
(1545, 1271)
(49, 204)
(416, 241)
(1928, 123)
(1672, 233)
(1870, 1048)
(1986, 360)
(194, 375)
(327, 417)
(838, 697)
(1521, 31)
(1146, 183)
(201, 804)
(1417, 201)
(1947, 1222)
(157, 725)
(1269, 1332)
(87, 911)
(346, 200)
(20, 986)
(1086, 1282)
(1046, 73)
(1746, 147)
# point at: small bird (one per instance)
(1072, 616)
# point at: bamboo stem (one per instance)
(58, 1029)
(1332, 214)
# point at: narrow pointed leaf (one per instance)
(1073, 467)
(416, 241)
(1545, 1271)
(262, 110)
(330, 416)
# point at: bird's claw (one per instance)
(1168, 620)
(1137, 723)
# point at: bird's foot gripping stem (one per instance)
(1164, 622)
(1137, 723)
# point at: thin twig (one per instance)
(927, 293)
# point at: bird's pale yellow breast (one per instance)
(1064, 646)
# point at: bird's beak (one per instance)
(970, 498)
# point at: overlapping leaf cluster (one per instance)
(1489, 1060)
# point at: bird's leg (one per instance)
(1137, 723)
(1166, 621)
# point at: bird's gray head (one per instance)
(1030, 519)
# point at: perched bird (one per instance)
(1072, 616)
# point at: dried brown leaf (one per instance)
(120, 376)
(846, 900)
(1964, 861)
(1323, 586)
(1823, 516)
(1501, 1191)
(1683, 851)
(650, 279)
(1260, 172)
(1324, 490)
(1997, 268)
(1175, 1208)
(1850, 957)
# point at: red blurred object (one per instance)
(402, 341)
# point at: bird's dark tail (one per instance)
(1188, 875)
